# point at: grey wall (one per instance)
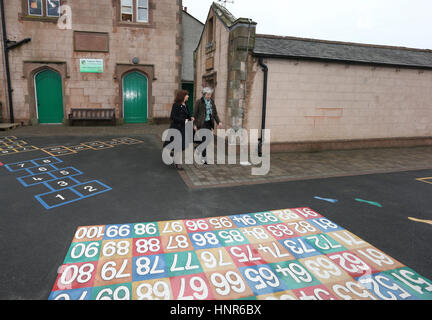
(192, 30)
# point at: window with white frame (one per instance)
(142, 10)
(127, 10)
(44, 8)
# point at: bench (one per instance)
(86, 114)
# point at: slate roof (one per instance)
(291, 47)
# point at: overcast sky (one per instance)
(405, 23)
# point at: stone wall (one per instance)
(157, 45)
(317, 101)
(219, 66)
(192, 30)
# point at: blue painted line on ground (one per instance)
(326, 199)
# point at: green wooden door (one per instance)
(49, 97)
(135, 98)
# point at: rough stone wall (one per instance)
(242, 39)
(158, 46)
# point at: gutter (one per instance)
(332, 60)
(264, 104)
(9, 45)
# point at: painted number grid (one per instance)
(289, 254)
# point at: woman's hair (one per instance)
(180, 96)
(207, 90)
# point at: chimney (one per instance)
(185, 9)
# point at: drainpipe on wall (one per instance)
(264, 104)
(9, 45)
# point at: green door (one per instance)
(135, 98)
(49, 97)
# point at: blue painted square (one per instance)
(412, 281)
(300, 247)
(31, 180)
(61, 183)
(19, 166)
(74, 294)
(41, 169)
(118, 231)
(204, 240)
(58, 198)
(262, 279)
(244, 220)
(384, 287)
(325, 225)
(91, 188)
(65, 172)
(149, 267)
(46, 161)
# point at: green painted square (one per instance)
(182, 263)
(411, 281)
(83, 252)
(265, 217)
(231, 237)
(122, 291)
(324, 243)
(294, 275)
(248, 298)
(145, 229)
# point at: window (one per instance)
(135, 11)
(35, 7)
(127, 10)
(142, 10)
(44, 8)
(53, 8)
(210, 31)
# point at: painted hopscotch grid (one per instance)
(92, 145)
(62, 184)
(12, 145)
(287, 254)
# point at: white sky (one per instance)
(405, 23)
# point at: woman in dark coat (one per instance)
(180, 115)
(206, 115)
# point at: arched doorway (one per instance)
(135, 97)
(49, 96)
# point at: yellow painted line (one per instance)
(420, 220)
(423, 180)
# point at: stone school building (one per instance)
(315, 94)
(122, 54)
